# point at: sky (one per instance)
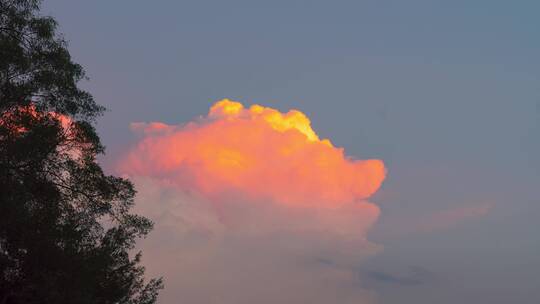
(445, 93)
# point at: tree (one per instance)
(66, 229)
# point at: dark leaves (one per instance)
(65, 226)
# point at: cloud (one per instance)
(258, 153)
(451, 217)
(251, 206)
(423, 223)
(416, 276)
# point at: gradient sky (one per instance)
(447, 93)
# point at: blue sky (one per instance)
(447, 93)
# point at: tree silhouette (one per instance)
(65, 226)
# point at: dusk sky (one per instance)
(445, 93)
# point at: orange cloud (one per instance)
(15, 118)
(258, 153)
(246, 196)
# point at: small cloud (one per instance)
(151, 128)
(416, 276)
(451, 217)
(435, 221)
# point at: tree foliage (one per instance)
(66, 229)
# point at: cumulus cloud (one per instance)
(251, 206)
